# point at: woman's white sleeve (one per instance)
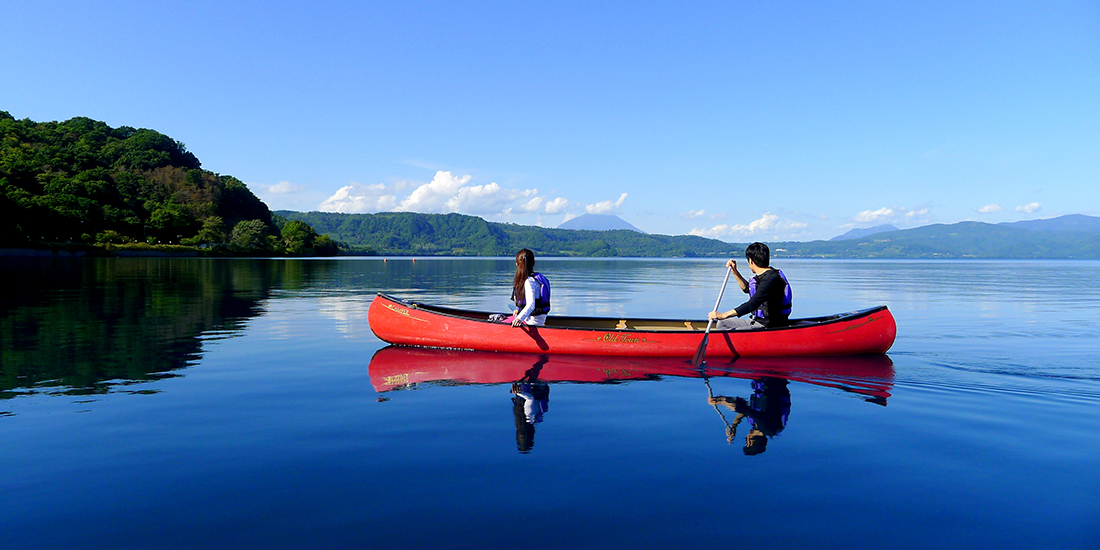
(530, 295)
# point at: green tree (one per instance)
(249, 237)
(298, 238)
(213, 231)
(323, 245)
(111, 237)
(170, 222)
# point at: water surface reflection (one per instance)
(88, 326)
(530, 376)
(767, 409)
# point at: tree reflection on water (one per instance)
(92, 326)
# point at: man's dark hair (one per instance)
(759, 254)
(755, 444)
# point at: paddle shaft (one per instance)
(710, 396)
(720, 293)
(701, 353)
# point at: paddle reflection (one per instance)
(766, 409)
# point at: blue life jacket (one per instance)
(788, 300)
(542, 303)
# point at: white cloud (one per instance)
(1029, 208)
(715, 232)
(432, 197)
(767, 222)
(357, 199)
(692, 214)
(869, 216)
(446, 193)
(989, 208)
(556, 206)
(285, 187)
(890, 215)
(533, 205)
(486, 199)
(605, 207)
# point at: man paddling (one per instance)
(769, 294)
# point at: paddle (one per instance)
(701, 352)
(731, 431)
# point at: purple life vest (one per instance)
(788, 300)
(542, 302)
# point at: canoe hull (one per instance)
(399, 322)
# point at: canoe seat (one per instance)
(621, 325)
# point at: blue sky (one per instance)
(733, 120)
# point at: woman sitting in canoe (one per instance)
(530, 291)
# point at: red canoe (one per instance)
(398, 368)
(868, 331)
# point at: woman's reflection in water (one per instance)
(768, 409)
(531, 399)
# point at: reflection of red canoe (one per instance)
(397, 367)
(414, 324)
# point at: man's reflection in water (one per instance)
(531, 399)
(768, 409)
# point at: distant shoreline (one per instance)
(88, 251)
(408, 234)
(93, 251)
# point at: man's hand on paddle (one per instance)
(741, 282)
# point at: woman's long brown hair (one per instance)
(525, 267)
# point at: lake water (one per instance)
(193, 403)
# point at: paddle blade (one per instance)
(701, 351)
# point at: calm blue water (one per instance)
(155, 403)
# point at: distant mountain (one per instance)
(410, 233)
(861, 232)
(957, 240)
(1072, 222)
(598, 222)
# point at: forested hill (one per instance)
(461, 235)
(82, 182)
(455, 234)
